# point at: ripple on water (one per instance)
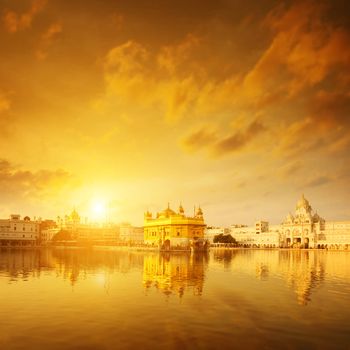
(106, 299)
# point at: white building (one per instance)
(259, 235)
(131, 234)
(304, 229)
(14, 231)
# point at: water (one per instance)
(102, 299)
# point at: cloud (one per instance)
(318, 181)
(239, 139)
(118, 20)
(135, 73)
(15, 22)
(302, 73)
(290, 169)
(293, 89)
(178, 58)
(328, 119)
(7, 120)
(331, 108)
(28, 184)
(47, 39)
(305, 49)
(199, 139)
(5, 103)
(219, 146)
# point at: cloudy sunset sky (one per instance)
(237, 106)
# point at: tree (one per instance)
(221, 238)
(62, 235)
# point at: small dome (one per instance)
(26, 218)
(181, 209)
(290, 217)
(199, 211)
(303, 203)
(74, 215)
(316, 218)
(148, 214)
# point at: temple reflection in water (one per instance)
(175, 273)
(303, 272)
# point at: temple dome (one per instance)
(181, 209)
(199, 212)
(74, 216)
(303, 203)
(167, 212)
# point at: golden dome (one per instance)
(74, 215)
(167, 212)
(181, 209)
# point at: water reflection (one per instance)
(105, 299)
(175, 273)
(303, 272)
(69, 264)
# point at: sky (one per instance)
(239, 107)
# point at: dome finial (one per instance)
(181, 209)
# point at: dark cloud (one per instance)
(331, 109)
(24, 183)
(49, 36)
(15, 21)
(239, 139)
(209, 140)
(202, 138)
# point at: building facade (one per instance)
(259, 235)
(304, 229)
(131, 234)
(14, 231)
(171, 230)
(82, 232)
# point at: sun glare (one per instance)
(98, 210)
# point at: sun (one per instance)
(98, 210)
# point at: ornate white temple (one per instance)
(304, 229)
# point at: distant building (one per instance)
(308, 229)
(14, 231)
(48, 229)
(72, 221)
(84, 232)
(171, 230)
(258, 235)
(303, 230)
(107, 234)
(131, 234)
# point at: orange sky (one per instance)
(237, 107)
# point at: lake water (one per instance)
(244, 299)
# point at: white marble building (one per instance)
(304, 229)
